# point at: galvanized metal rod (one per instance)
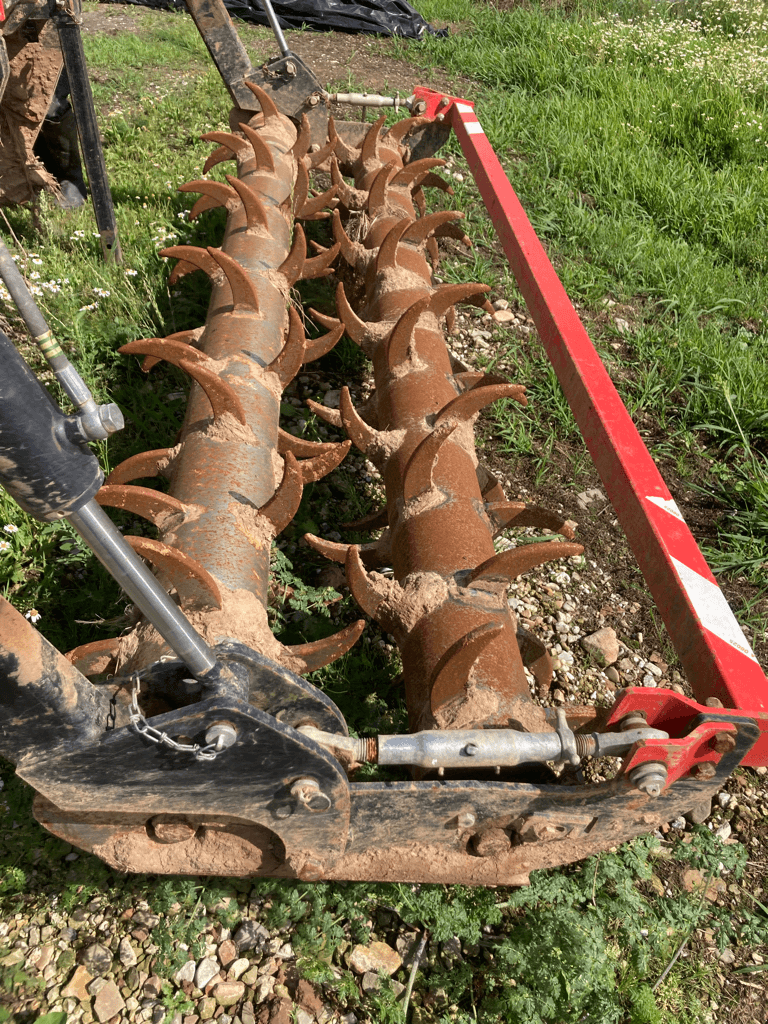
(121, 561)
(275, 26)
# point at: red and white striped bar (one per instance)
(716, 655)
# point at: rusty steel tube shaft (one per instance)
(448, 609)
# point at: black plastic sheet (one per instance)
(379, 17)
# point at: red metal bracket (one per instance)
(716, 655)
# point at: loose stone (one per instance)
(108, 1002)
(377, 956)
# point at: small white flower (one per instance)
(4, 546)
(103, 293)
(131, 273)
(10, 528)
(33, 615)
(37, 262)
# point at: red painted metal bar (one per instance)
(716, 655)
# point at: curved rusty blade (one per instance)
(401, 336)
(197, 258)
(508, 565)
(357, 329)
(449, 294)
(142, 501)
(431, 180)
(300, 148)
(373, 521)
(469, 403)
(420, 229)
(417, 167)
(176, 565)
(364, 591)
(244, 294)
(221, 396)
(331, 322)
(350, 197)
(318, 347)
(216, 190)
(363, 436)
(232, 142)
(386, 258)
(319, 266)
(292, 267)
(284, 503)
(97, 658)
(145, 464)
(400, 129)
(163, 349)
(504, 514)
(315, 208)
(417, 476)
(348, 248)
(321, 465)
(369, 150)
(301, 448)
(288, 362)
(323, 412)
(301, 188)
(472, 378)
(377, 196)
(536, 659)
(374, 555)
(255, 209)
(267, 104)
(265, 161)
(454, 231)
(220, 155)
(434, 255)
(320, 653)
(322, 154)
(451, 674)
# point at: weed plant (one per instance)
(644, 175)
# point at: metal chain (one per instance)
(143, 728)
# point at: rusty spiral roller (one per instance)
(235, 477)
(447, 604)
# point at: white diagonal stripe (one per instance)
(668, 504)
(712, 609)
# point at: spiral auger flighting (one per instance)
(446, 606)
(235, 477)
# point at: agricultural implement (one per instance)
(192, 744)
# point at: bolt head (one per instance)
(466, 820)
(313, 100)
(111, 418)
(290, 68)
(704, 770)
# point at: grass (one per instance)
(633, 134)
(643, 133)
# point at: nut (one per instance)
(221, 735)
(650, 777)
(723, 742)
(307, 868)
(494, 842)
(166, 829)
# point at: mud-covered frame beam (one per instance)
(716, 655)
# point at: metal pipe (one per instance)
(363, 99)
(275, 26)
(482, 748)
(121, 561)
